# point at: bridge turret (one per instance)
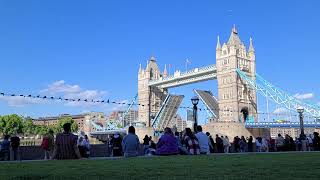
(218, 48)
(165, 72)
(150, 97)
(251, 51)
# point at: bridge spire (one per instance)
(165, 72)
(218, 44)
(251, 49)
(234, 38)
(140, 68)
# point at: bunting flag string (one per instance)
(108, 101)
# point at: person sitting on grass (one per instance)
(182, 149)
(191, 142)
(167, 144)
(146, 143)
(66, 145)
(152, 148)
(203, 141)
(130, 143)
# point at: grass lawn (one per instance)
(252, 166)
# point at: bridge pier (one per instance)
(233, 129)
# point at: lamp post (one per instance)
(300, 110)
(195, 101)
(303, 140)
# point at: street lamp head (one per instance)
(195, 100)
(300, 109)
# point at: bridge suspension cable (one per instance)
(278, 95)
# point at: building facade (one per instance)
(83, 120)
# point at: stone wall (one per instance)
(232, 129)
(37, 153)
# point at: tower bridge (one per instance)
(235, 71)
(238, 85)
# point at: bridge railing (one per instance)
(283, 125)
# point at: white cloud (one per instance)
(280, 110)
(18, 101)
(304, 96)
(68, 91)
(61, 87)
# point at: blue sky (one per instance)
(93, 48)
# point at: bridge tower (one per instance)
(235, 97)
(150, 98)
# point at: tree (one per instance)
(67, 119)
(28, 126)
(11, 124)
(41, 130)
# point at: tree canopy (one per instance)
(14, 124)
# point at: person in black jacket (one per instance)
(250, 144)
(116, 145)
(219, 142)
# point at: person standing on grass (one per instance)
(66, 145)
(5, 149)
(167, 144)
(226, 144)
(117, 145)
(81, 146)
(87, 146)
(211, 142)
(250, 144)
(203, 141)
(243, 144)
(279, 143)
(15, 148)
(236, 144)
(258, 144)
(48, 145)
(130, 143)
(191, 142)
(219, 143)
(316, 141)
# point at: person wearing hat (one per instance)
(116, 145)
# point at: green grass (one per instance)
(252, 166)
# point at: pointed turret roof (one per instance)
(140, 68)
(152, 58)
(251, 48)
(234, 38)
(218, 44)
(165, 72)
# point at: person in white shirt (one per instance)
(264, 145)
(226, 144)
(203, 141)
(258, 144)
